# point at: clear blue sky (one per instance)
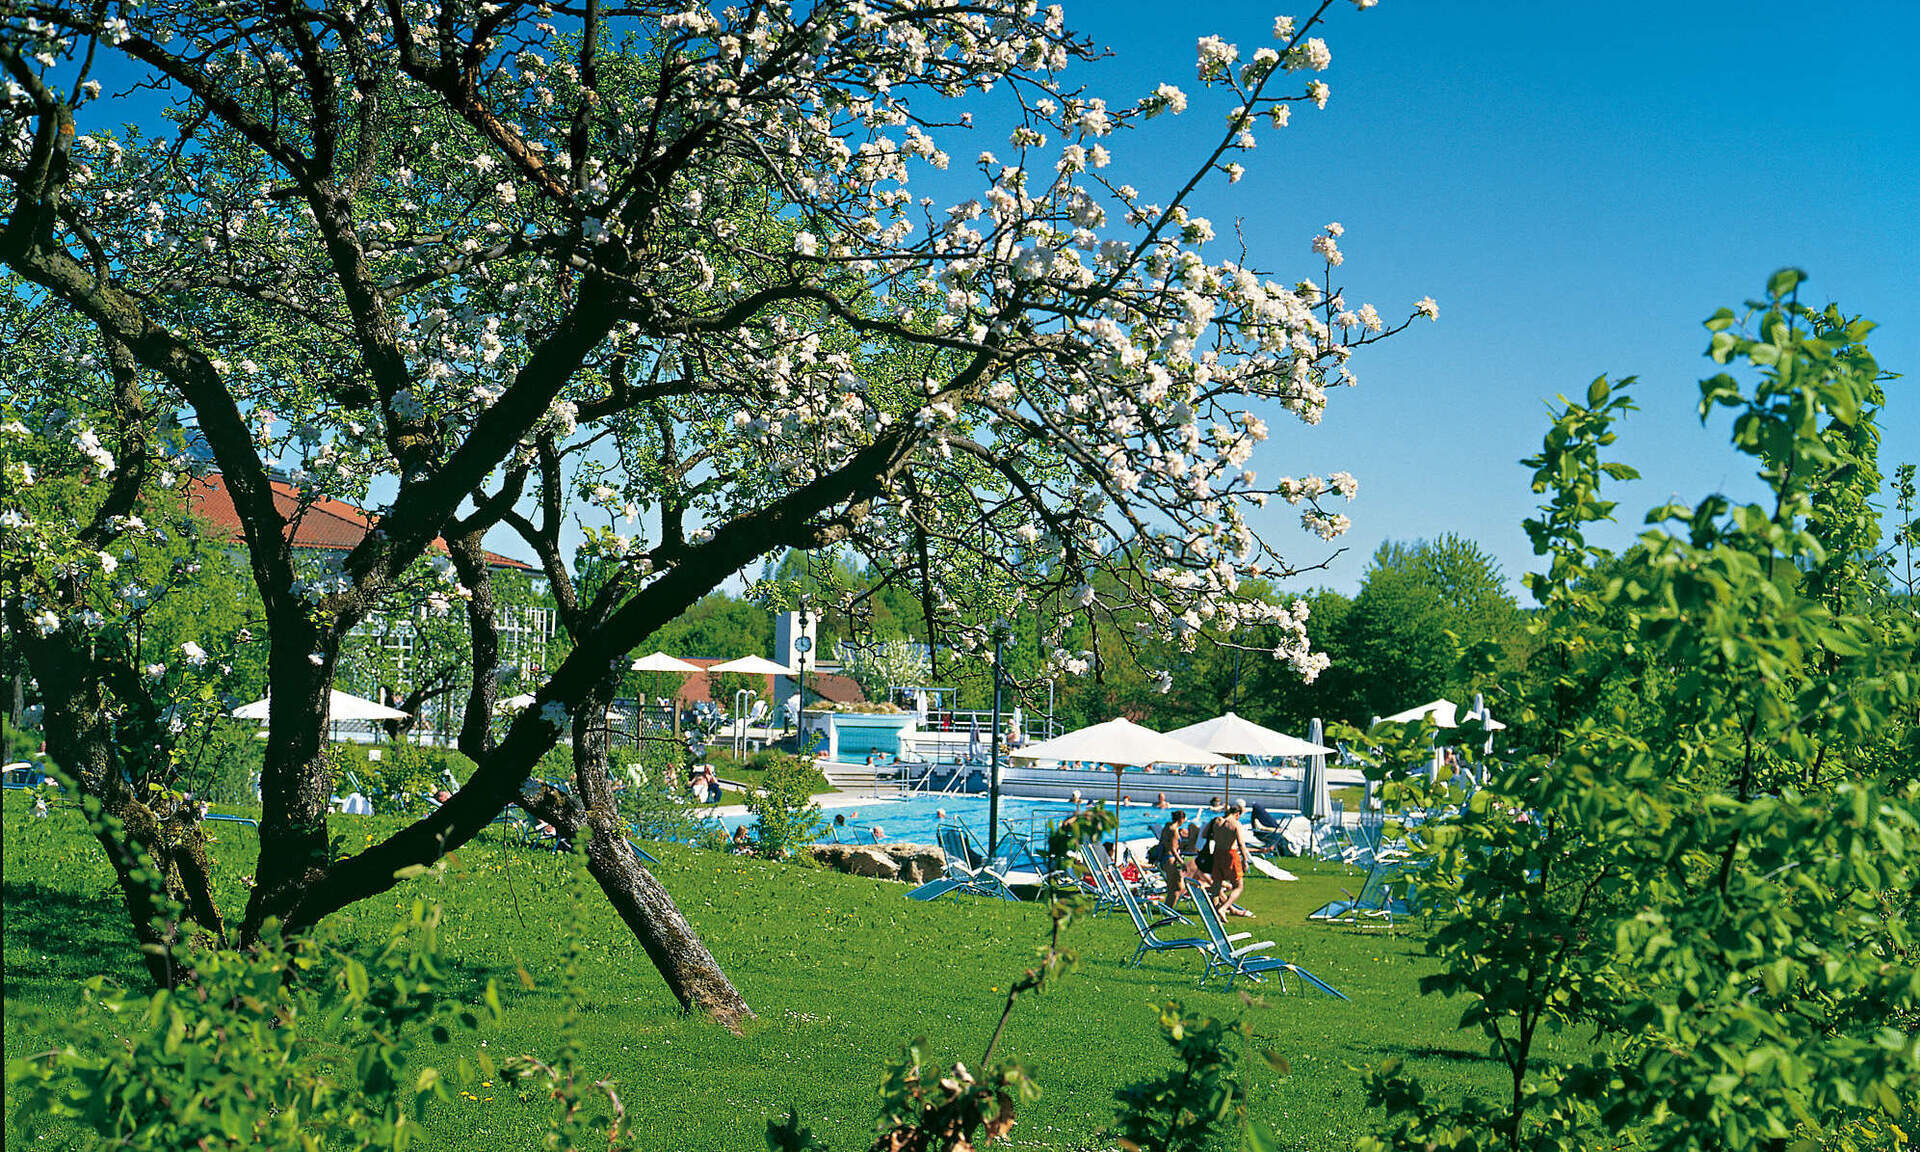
(1578, 186)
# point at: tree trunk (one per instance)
(645, 907)
(635, 893)
(294, 788)
(647, 910)
(192, 871)
(153, 930)
(157, 868)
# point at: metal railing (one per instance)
(962, 720)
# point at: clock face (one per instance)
(803, 644)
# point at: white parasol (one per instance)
(1120, 744)
(1443, 712)
(752, 666)
(661, 662)
(1233, 735)
(1314, 800)
(340, 706)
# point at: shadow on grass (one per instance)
(56, 939)
(1434, 1052)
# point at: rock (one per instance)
(858, 860)
(911, 863)
(832, 856)
(918, 863)
(871, 862)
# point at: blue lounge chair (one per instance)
(1100, 882)
(968, 882)
(965, 873)
(1377, 902)
(1149, 942)
(1238, 961)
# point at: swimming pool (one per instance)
(913, 820)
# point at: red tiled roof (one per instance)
(328, 525)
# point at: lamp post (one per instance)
(993, 771)
(802, 644)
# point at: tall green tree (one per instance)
(1726, 900)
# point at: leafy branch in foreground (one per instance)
(1719, 887)
(925, 1105)
(1186, 1108)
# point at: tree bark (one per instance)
(294, 786)
(647, 909)
(639, 898)
(158, 868)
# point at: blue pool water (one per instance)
(912, 821)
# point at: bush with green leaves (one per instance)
(20, 743)
(219, 761)
(396, 778)
(653, 805)
(785, 816)
(1195, 1104)
(1721, 890)
(290, 1043)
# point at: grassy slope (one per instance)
(841, 971)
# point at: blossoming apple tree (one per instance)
(662, 271)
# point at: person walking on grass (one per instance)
(1229, 848)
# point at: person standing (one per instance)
(1229, 845)
(1172, 857)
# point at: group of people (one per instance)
(703, 785)
(1213, 857)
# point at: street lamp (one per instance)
(1001, 631)
(802, 644)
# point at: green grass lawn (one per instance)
(841, 972)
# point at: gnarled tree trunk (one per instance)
(159, 863)
(635, 893)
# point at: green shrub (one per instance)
(759, 763)
(21, 743)
(401, 780)
(783, 808)
(296, 1043)
(556, 765)
(248, 1056)
(653, 807)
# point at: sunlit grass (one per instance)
(841, 972)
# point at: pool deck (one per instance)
(828, 801)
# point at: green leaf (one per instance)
(1785, 281)
(357, 982)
